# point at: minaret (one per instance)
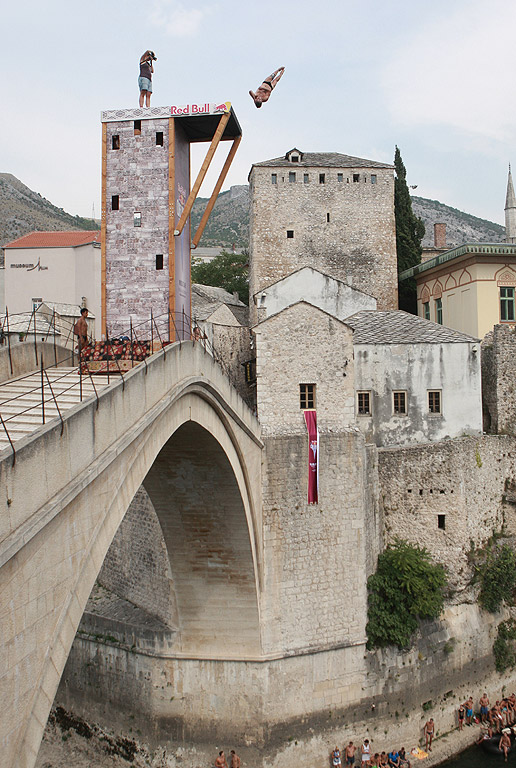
(510, 211)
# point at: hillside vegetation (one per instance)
(23, 211)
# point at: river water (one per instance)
(474, 757)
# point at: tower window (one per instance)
(115, 202)
(399, 402)
(137, 127)
(274, 178)
(340, 177)
(159, 261)
(159, 138)
(507, 304)
(306, 178)
(137, 219)
(290, 234)
(295, 158)
(364, 403)
(292, 177)
(327, 218)
(115, 141)
(306, 396)
(434, 401)
(373, 178)
(322, 178)
(356, 177)
(441, 522)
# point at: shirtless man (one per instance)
(80, 329)
(484, 707)
(349, 753)
(220, 762)
(505, 744)
(469, 710)
(429, 734)
(264, 91)
(235, 760)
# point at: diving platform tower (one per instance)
(147, 200)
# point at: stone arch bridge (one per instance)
(176, 426)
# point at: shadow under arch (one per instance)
(196, 497)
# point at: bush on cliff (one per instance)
(504, 646)
(406, 588)
(497, 576)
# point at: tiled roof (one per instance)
(55, 239)
(73, 310)
(206, 299)
(325, 160)
(397, 327)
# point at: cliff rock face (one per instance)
(460, 227)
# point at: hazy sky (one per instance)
(437, 78)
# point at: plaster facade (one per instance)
(331, 212)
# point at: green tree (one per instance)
(497, 578)
(227, 270)
(406, 588)
(410, 231)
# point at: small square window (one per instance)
(322, 178)
(434, 401)
(340, 177)
(137, 219)
(274, 178)
(115, 203)
(159, 138)
(373, 178)
(306, 178)
(356, 177)
(290, 234)
(441, 522)
(159, 261)
(306, 396)
(399, 402)
(137, 127)
(364, 403)
(295, 158)
(292, 177)
(115, 141)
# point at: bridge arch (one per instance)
(200, 430)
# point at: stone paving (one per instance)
(21, 399)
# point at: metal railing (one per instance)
(147, 332)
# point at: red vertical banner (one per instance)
(313, 457)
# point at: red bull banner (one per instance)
(200, 109)
(313, 457)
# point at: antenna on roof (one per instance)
(93, 211)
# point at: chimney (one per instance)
(440, 235)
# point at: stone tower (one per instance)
(329, 211)
(510, 211)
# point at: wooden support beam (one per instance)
(171, 227)
(218, 185)
(103, 214)
(202, 173)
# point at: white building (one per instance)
(53, 268)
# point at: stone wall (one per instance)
(290, 352)
(136, 567)
(356, 245)
(138, 174)
(232, 345)
(499, 380)
(447, 496)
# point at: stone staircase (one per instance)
(21, 400)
